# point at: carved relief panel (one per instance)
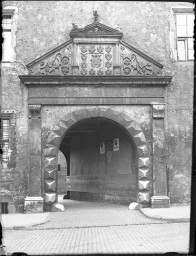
(96, 59)
(133, 64)
(58, 63)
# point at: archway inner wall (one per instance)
(56, 121)
(106, 174)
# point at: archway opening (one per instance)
(101, 162)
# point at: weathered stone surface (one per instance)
(58, 207)
(144, 197)
(160, 202)
(119, 117)
(144, 184)
(50, 186)
(134, 206)
(151, 40)
(144, 173)
(33, 204)
(49, 197)
(50, 174)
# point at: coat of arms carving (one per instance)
(96, 60)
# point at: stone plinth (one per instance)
(160, 202)
(33, 204)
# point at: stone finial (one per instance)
(95, 16)
(74, 26)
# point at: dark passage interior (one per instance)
(97, 162)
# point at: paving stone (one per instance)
(148, 238)
(91, 214)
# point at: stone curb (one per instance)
(24, 227)
(157, 217)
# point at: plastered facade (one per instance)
(41, 26)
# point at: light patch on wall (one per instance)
(116, 144)
(102, 148)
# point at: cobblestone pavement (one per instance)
(90, 214)
(149, 238)
(98, 228)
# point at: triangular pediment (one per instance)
(95, 29)
(95, 50)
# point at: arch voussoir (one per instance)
(50, 151)
(122, 118)
(53, 138)
(79, 114)
(143, 150)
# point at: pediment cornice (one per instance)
(36, 81)
(95, 50)
(94, 30)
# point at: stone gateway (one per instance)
(97, 123)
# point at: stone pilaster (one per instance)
(160, 198)
(34, 201)
(75, 65)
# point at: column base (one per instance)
(33, 204)
(160, 202)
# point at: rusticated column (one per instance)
(34, 201)
(160, 198)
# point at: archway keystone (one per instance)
(59, 130)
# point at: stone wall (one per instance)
(41, 26)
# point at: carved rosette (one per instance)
(132, 64)
(58, 63)
(96, 59)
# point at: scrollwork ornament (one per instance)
(91, 48)
(42, 63)
(108, 72)
(122, 48)
(84, 65)
(65, 70)
(108, 64)
(100, 49)
(127, 61)
(108, 48)
(83, 57)
(96, 60)
(47, 69)
(92, 72)
(99, 72)
(83, 72)
(108, 56)
(127, 71)
(83, 49)
(30, 72)
(65, 60)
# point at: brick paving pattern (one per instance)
(98, 228)
(90, 214)
(150, 238)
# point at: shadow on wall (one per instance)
(7, 202)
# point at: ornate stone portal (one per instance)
(95, 67)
